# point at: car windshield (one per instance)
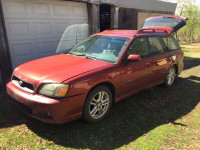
(101, 47)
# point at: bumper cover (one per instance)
(59, 111)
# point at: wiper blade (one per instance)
(75, 54)
(70, 53)
(86, 56)
(80, 54)
(83, 55)
(90, 57)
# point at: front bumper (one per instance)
(46, 109)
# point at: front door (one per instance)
(136, 76)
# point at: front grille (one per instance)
(21, 83)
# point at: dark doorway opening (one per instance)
(105, 17)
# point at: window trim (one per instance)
(134, 41)
(164, 50)
(178, 46)
(124, 59)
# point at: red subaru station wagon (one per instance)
(105, 68)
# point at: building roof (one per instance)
(151, 5)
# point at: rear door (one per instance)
(165, 51)
(173, 52)
(160, 59)
(169, 22)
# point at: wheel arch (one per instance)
(176, 66)
(107, 84)
(85, 113)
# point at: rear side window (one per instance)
(139, 47)
(156, 45)
(170, 43)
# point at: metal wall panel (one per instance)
(34, 27)
(5, 63)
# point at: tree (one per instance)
(189, 9)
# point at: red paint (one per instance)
(157, 29)
(59, 109)
(134, 58)
(66, 66)
(83, 74)
(129, 33)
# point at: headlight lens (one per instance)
(54, 90)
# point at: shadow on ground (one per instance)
(128, 119)
(190, 62)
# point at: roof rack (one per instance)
(154, 30)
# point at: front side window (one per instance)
(102, 48)
(156, 45)
(170, 43)
(139, 47)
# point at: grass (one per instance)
(191, 50)
(158, 118)
(191, 43)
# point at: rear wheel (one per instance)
(171, 76)
(97, 104)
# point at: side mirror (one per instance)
(134, 58)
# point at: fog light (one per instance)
(45, 115)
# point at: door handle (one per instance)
(147, 65)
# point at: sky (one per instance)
(174, 1)
(198, 1)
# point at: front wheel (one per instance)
(97, 104)
(170, 78)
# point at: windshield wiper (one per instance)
(70, 53)
(90, 57)
(82, 55)
(86, 56)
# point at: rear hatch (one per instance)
(165, 22)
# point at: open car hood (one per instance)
(165, 23)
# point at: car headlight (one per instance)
(54, 90)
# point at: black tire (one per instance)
(97, 102)
(170, 77)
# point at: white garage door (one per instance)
(34, 27)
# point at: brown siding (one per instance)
(128, 18)
(112, 15)
(93, 18)
(142, 16)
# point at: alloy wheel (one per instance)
(99, 105)
(171, 76)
